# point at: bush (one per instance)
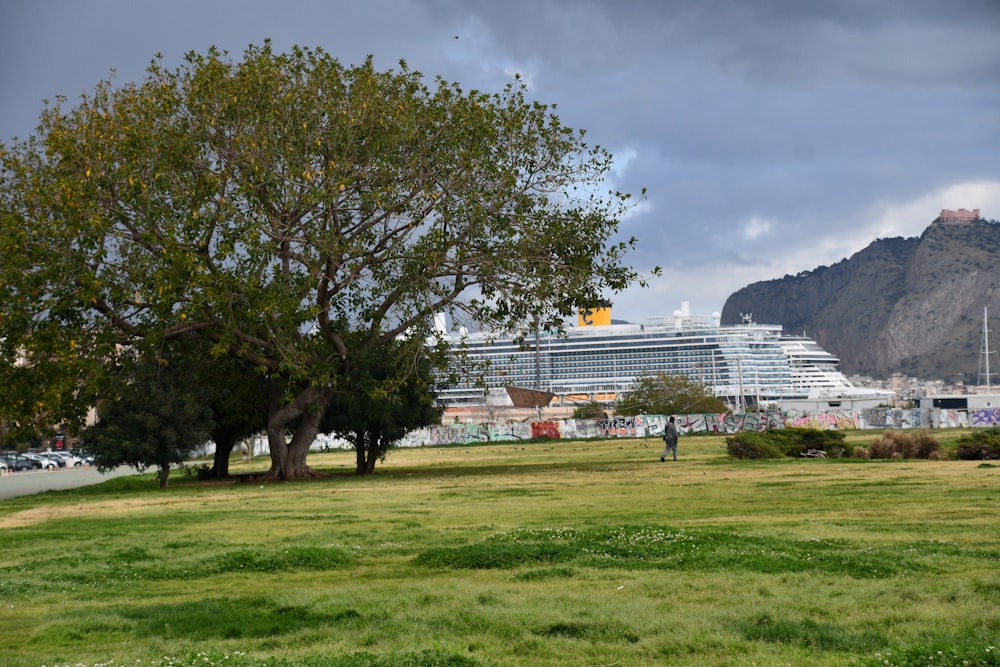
(797, 441)
(980, 445)
(905, 445)
(778, 443)
(752, 445)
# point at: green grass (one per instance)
(555, 553)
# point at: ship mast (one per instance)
(984, 360)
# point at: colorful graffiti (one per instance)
(892, 418)
(545, 430)
(947, 418)
(985, 417)
(841, 420)
(642, 426)
(646, 426)
(729, 423)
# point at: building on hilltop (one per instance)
(959, 216)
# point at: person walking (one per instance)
(670, 438)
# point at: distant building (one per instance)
(959, 216)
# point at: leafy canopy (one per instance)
(662, 394)
(382, 403)
(294, 213)
(153, 419)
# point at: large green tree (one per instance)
(292, 212)
(663, 394)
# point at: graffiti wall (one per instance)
(973, 418)
(875, 418)
(647, 426)
(643, 426)
(985, 417)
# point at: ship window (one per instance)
(834, 404)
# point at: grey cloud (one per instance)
(806, 115)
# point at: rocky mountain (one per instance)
(902, 305)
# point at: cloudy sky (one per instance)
(772, 136)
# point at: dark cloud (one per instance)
(773, 136)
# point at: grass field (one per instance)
(561, 553)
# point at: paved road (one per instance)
(26, 482)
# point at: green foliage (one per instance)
(908, 444)
(753, 445)
(386, 396)
(591, 410)
(291, 557)
(544, 574)
(141, 564)
(778, 443)
(154, 418)
(424, 658)
(662, 394)
(597, 631)
(291, 212)
(227, 618)
(979, 445)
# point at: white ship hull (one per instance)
(749, 366)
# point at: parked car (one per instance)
(20, 462)
(43, 462)
(61, 462)
(4, 468)
(70, 459)
(88, 459)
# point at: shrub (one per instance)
(980, 445)
(896, 444)
(752, 445)
(860, 453)
(778, 443)
(798, 441)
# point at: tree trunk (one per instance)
(163, 476)
(367, 453)
(298, 448)
(279, 450)
(361, 451)
(224, 443)
(359, 455)
(288, 458)
(370, 463)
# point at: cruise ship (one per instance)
(749, 366)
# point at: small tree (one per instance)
(237, 395)
(662, 394)
(591, 410)
(155, 420)
(381, 404)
